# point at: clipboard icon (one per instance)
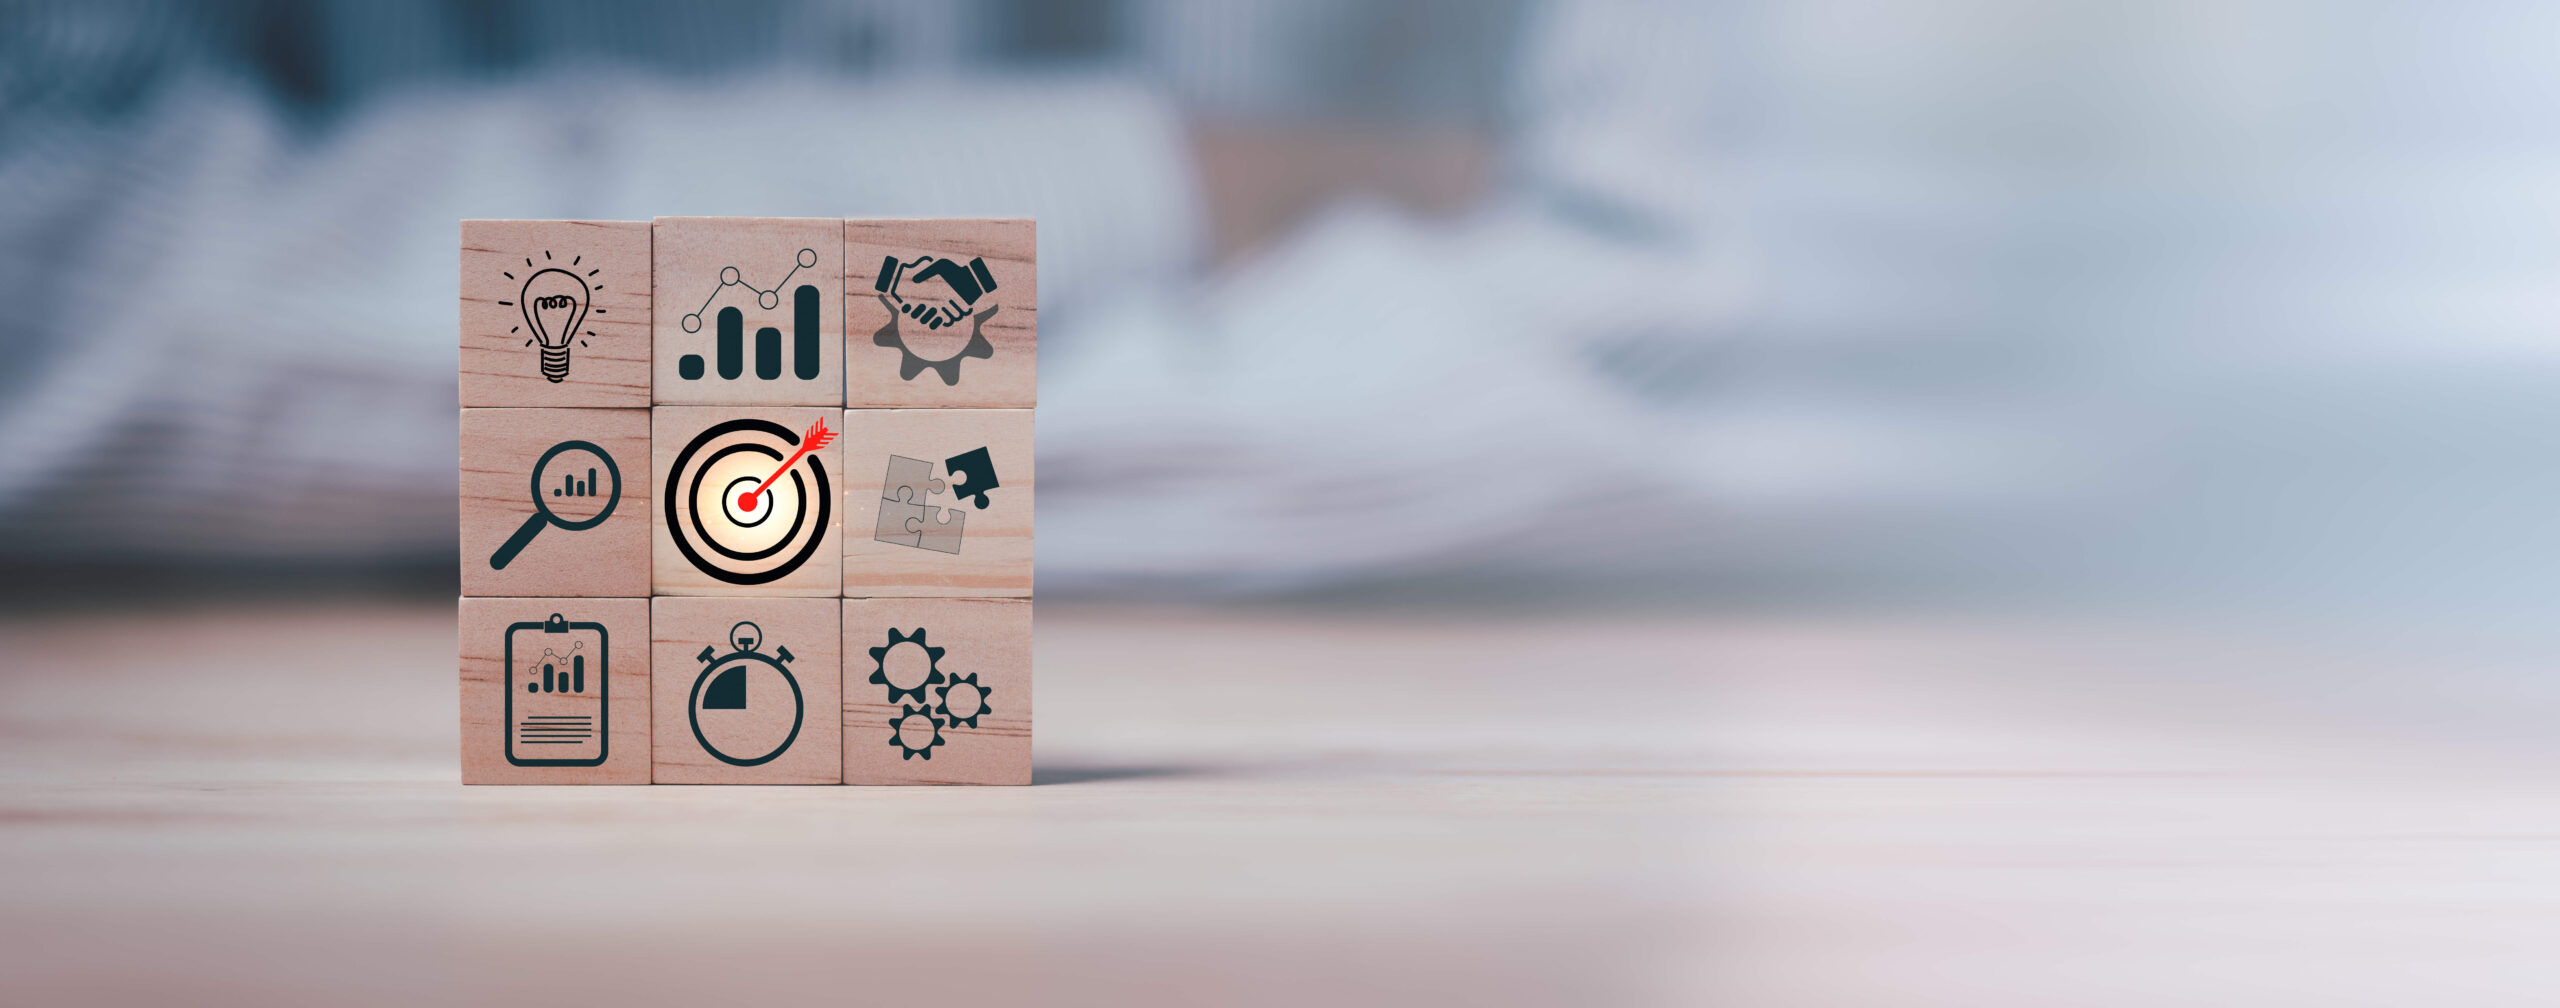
(556, 688)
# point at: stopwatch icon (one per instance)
(737, 709)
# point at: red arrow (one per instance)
(817, 437)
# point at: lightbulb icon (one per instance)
(555, 302)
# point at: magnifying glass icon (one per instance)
(569, 494)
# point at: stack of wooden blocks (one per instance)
(697, 550)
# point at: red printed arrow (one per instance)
(817, 437)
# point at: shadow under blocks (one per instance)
(748, 500)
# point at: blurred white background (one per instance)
(2202, 305)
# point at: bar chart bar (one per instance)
(804, 332)
(577, 673)
(768, 353)
(729, 343)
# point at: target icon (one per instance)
(748, 502)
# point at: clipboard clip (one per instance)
(555, 624)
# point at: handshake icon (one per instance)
(935, 291)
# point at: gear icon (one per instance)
(915, 733)
(911, 364)
(880, 665)
(972, 698)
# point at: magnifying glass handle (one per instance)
(516, 543)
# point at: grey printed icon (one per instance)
(908, 515)
(906, 518)
(936, 293)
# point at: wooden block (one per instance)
(748, 311)
(555, 502)
(555, 313)
(708, 540)
(745, 690)
(914, 526)
(941, 313)
(555, 690)
(937, 691)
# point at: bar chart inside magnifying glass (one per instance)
(575, 486)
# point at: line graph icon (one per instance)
(729, 334)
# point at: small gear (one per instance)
(899, 729)
(973, 699)
(880, 665)
(912, 364)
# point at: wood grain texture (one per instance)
(889, 543)
(972, 700)
(500, 450)
(620, 686)
(1277, 807)
(715, 467)
(608, 358)
(799, 644)
(1008, 317)
(756, 265)
(1285, 806)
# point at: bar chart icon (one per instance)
(728, 342)
(556, 691)
(572, 486)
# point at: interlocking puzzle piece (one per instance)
(899, 521)
(972, 475)
(939, 531)
(909, 480)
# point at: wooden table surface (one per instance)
(255, 802)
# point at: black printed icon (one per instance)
(915, 731)
(729, 342)
(906, 667)
(907, 516)
(573, 504)
(738, 704)
(556, 301)
(747, 502)
(935, 293)
(962, 701)
(557, 681)
(972, 475)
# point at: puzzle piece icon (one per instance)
(972, 475)
(909, 480)
(939, 530)
(898, 521)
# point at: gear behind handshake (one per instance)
(935, 291)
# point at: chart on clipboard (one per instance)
(556, 690)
